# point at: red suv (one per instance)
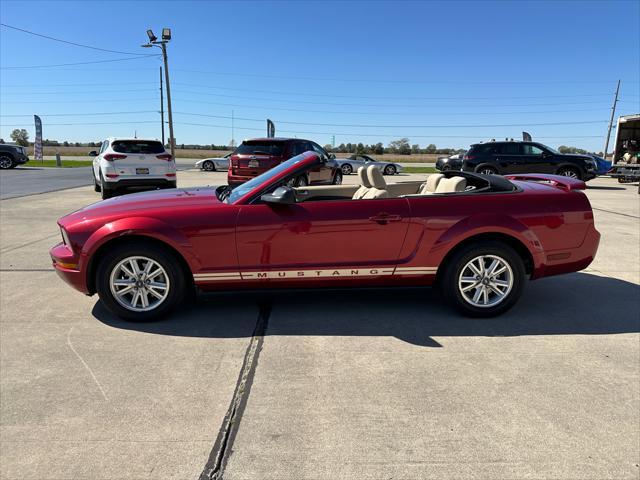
(254, 157)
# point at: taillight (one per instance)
(468, 157)
(110, 157)
(164, 156)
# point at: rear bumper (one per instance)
(235, 180)
(566, 261)
(167, 182)
(68, 267)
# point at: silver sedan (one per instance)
(352, 163)
(213, 164)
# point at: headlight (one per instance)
(65, 237)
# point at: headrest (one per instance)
(452, 185)
(375, 178)
(364, 179)
(432, 181)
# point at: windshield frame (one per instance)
(245, 192)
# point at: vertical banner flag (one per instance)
(271, 129)
(526, 137)
(37, 146)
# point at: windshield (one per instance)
(241, 190)
(137, 146)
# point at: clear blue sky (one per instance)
(449, 73)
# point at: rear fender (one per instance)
(483, 224)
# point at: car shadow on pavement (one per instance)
(575, 304)
(602, 187)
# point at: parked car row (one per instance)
(268, 233)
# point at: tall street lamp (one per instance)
(162, 44)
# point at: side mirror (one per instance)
(332, 156)
(93, 153)
(282, 195)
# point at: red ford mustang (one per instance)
(480, 237)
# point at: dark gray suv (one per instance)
(12, 155)
(526, 157)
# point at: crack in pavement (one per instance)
(214, 468)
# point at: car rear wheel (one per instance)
(390, 170)
(486, 170)
(570, 172)
(347, 169)
(140, 283)
(484, 280)
(6, 162)
(106, 192)
(209, 166)
(96, 185)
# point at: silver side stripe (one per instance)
(332, 273)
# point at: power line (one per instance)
(21, 67)
(82, 101)
(79, 114)
(83, 123)
(76, 92)
(66, 41)
(374, 80)
(275, 92)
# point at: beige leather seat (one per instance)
(378, 184)
(365, 185)
(452, 185)
(429, 187)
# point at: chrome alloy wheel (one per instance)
(485, 281)
(139, 284)
(5, 162)
(569, 173)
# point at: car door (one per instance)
(509, 158)
(97, 159)
(536, 160)
(321, 235)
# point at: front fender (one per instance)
(146, 227)
(488, 223)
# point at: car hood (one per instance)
(173, 200)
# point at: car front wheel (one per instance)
(140, 283)
(346, 169)
(390, 170)
(484, 280)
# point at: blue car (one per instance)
(603, 165)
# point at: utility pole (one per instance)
(161, 107)
(613, 113)
(162, 44)
(172, 140)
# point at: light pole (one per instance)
(162, 44)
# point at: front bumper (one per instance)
(68, 266)
(20, 159)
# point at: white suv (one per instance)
(132, 162)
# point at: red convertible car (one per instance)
(479, 237)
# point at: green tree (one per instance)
(378, 148)
(360, 149)
(400, 146)
(431, 148)
(20, 136)
(415, 148)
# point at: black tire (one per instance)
(449, 282)
(162, 256)
(446, 168)
(390, 170)
(337, 179)
(107, 193)
(347, 169)
(487, 170)
(6, 162)
(208, 166)
(96, 185)
(571, 172)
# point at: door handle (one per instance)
(384, 218)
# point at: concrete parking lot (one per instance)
(339, 385)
